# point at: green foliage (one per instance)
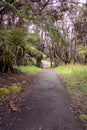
(84, 86)
(16, 36)
(12, 45)
(83, 117)
(76, 84)
(4, 90)
(34, 37)
(14, 88)
(16, 43)
(76, 74)
(81, 26)
(35, 51)
(64, 70)
(54, 32)
(32, 40)
(84, 10)
(5, 48)
(8, 7)
(10, 39)
(30, 69)
(30, 48)
(33, 61)
(82, 50)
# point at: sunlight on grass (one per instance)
(64, 70)
(74, 75)
(30, 69)
(74, 78)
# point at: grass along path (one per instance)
(16, 87)
(30, 69)
(75, 80)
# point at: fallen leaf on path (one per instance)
(12, 106)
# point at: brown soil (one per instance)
(14, 102)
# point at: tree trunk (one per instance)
(85, 61)
(51, 65)
(5, 67)
(38, 61)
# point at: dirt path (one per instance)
(47, 108)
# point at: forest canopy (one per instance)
(33, 29)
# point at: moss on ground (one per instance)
(14, 88)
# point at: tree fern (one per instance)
(34, 37)
(82, 50)
(31, 14)
(8, 7)
(54, 32)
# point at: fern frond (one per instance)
(54, 31)
(82, 50)
(8, 7)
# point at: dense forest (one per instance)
(31, 30)
(35, 36)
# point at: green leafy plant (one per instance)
(8, 7)
(15, 88)
(4, 90)
(83, 117)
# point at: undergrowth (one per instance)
(14, 88)
(74, 78)
(30, 69)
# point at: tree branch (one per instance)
(35, 0)
(44, 6)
